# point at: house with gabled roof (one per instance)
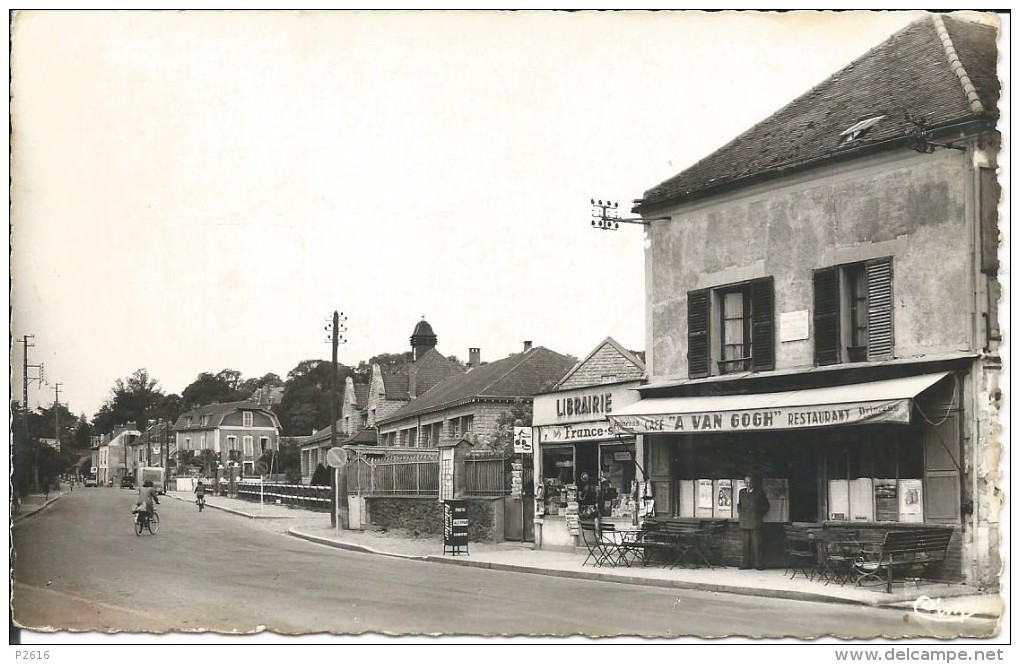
(822, 308)
(576, 446)
(239, 432)
(389, 391)
(351, 428)
(468, 405)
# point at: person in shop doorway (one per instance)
(752, 506)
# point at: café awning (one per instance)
(883, 401)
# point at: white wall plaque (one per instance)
(794, 325)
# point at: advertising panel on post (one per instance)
(455, 527)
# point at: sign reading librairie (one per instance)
(455, 526)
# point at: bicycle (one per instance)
(200, 501)
(143, 521)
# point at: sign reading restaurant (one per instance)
(793, 417)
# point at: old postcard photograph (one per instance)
(510, 327)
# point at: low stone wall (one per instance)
(424, 516)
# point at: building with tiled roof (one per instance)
(822, 307)
(469, 404)
(268, 396)
(238, 431)
(351, 428)
(391, 390)
(941, 70)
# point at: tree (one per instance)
(321, 476)
(207, 389)
(306, 397)
(133, 400)
(249, 386)
(82, 435)
(387, 362)
(285, 461)
(519, 415)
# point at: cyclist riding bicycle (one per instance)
(147, 494)
(200, 493)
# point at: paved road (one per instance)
(79, 566)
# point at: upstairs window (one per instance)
(742, 338)
(853, 316)
(247, 418)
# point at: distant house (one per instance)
(113, 454)
(468, 405)
(239, 431)
(267, 396)
(350, 428)
(148, 449)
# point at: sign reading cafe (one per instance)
(797, 417)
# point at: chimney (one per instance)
(527, 346)
(474, 358)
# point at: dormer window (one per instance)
(246, 418)
(858, 129)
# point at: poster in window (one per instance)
(777, 490)
(862, 499)
(887, 506)
(839, 500)
(911, 501)
(723, 492)
(685, 497)
(705, 505)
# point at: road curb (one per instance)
(229, 510)
(358, 548)
(613, 578)
(24, 515)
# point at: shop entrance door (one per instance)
(518, 519)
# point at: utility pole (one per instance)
(56, 413)
(26, 344)
(335, 340)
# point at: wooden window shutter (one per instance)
(697, 333)
(880, 309)
(826, 316)
(763, 335)
(989, 215)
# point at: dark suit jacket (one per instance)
(751, 508)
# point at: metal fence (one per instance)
(393, 477)
(299, 495)
(410, 476)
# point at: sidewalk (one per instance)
(35, 502)
(521, 557)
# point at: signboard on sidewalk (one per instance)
(455, 527)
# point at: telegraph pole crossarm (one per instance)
(606, 216)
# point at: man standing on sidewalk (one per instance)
(752, 506)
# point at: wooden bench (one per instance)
(912, 552)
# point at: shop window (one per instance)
(558, 479)
(745, 340)
(853, 312)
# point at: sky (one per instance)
(194, 191)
